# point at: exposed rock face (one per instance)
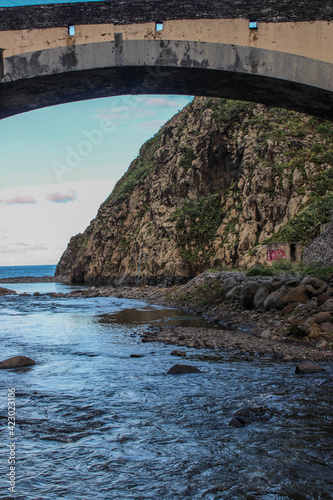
(218, 179)
(17, 362)
(246, 416)
(305, 368)
(178, 369)
(321, 249)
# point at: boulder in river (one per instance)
(177, 352)
(246, 416)
(177, 369)
(17, 362)
(304, 368)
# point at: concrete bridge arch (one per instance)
(54, 54)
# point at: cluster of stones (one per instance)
(271, 304)
(309, 300)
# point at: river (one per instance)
(94, 423)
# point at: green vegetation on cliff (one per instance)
(138, 171)
(216, 183)
(196, 224)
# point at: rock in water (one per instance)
(176, 352)
(246, 416)
(177, 369)
(17, 362)
(304, 368)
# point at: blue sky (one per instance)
(58, 164)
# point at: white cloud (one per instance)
(39, 233)
(59, 197)
(19, 200)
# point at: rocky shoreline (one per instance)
(287, 317)
(30, 279)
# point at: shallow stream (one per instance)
(94, 423)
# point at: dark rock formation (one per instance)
(306, 368)
(178, 369)
(17, 362)
(177, 352)
(246, 416)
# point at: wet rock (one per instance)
(246, 416)
(289, 308)
(308, 306)
(298, 294)
(7, 291)
(266, 334)
(321, 299)
(323, 317)
(176, 352)
(36, 294)
(305, 328)
(275, 300)
(247, 294)
(304, 368)
(17, 362)
(261, 294)
(322, 289)
(326, 327)
(315, 282)
(136, 355)
(310, 290)
(276, 283)
(234, 293)
(321, 343)
(178, 369)
(293, 283)
(327, 306)
(229, 284)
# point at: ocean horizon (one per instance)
(19, 271)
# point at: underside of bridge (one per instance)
(26, 95)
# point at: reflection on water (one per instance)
(158, 316)
(92, 422)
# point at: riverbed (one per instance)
(94, 422)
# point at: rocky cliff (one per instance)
(219, 180)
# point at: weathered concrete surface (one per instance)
(138, 11)
(116, 50)
(66, 74)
